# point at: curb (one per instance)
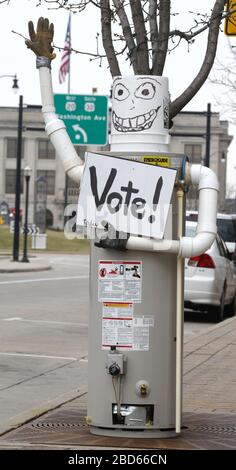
(26, 269)
(34, 413)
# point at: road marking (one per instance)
(81, 325)
(11, 319)
(43, 279)
(39, 355)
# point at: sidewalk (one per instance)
(209, 406)
(35, 264)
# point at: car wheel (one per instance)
(219, 309)
(230, 309)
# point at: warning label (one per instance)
(117, 310)
(120, 281)
(157, 160)
(117, 325)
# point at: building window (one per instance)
(193, 152)
(49, 218)
(50, 180)
(73, 189)
(12, 147)
(46, 149)
(10, 182)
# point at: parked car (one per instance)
(226, 226)
(210, 281)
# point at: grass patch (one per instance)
(56, 241)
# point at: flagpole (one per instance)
(69, 66)
(68, 91)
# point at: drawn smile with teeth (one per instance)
(137, 123)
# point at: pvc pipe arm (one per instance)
(186, 247)
(56, 129)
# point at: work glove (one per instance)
(40, 42)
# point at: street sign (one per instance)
(30, 229)
(115, 191)
(85, 117)
(230, 21)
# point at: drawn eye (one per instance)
(145, 91)
(121, 92)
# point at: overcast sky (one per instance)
(181, 66)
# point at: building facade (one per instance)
(188, 136)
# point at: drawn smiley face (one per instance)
(135, 103)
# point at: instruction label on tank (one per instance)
(121, 329)
(117, 325)
(120, 281)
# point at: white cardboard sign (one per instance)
(133, 197)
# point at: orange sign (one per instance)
(230, 21)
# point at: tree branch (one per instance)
(107, 38)
(141, 38)
(153, 26)
(208, 61)
(128, 36)
(163, 37)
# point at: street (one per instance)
(44, 330)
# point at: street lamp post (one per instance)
(16, 237)
(27, 173)
(208, 135)
(15, 88)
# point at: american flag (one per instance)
(65, 59)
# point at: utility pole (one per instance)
(208, 135)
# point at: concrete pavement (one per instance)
(209, 406)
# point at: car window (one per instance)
(190, 230)
(191, 217)
(227, 229)
(222, 247)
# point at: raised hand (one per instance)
(40, 41)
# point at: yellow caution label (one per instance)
(156, 160)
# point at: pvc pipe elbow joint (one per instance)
(204, 177)
(76, 173)
(197, 245)
(54, 125)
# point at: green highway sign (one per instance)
(85, 117)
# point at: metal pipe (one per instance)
(179, 316)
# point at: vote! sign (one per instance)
(131, 196)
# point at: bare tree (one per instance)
(140, 30)
(224, 77)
